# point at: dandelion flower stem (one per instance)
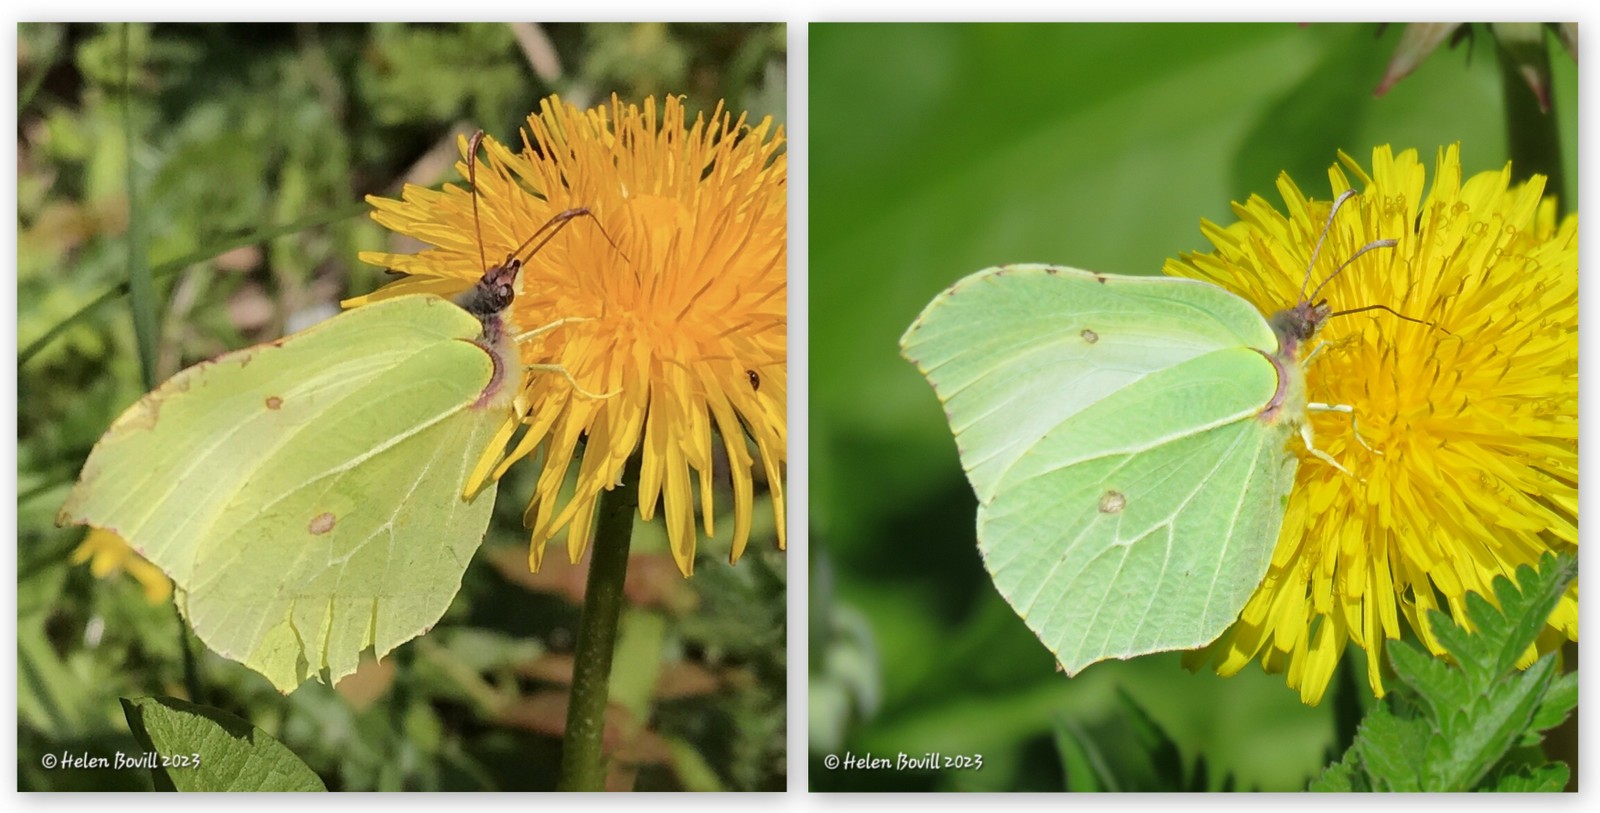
(582, 766)
(1533, 141)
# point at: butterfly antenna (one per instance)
(1393, 311)
(1326, 227)
(556, 223)
(1346, 264)
(472, 178)
(549, 230)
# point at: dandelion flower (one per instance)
(108, 554)
(1466, 465)
(674, 299)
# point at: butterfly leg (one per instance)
(1315, 351)
(540, 331)
(1305, 435)
(556, 368)
(1355, 424)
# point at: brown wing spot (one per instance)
(1089, 336)
(1099, 279)
(323, 523)
(274, 402)
(1112, 502)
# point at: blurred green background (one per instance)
(237, 131)
(1096, 146)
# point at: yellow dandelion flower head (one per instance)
(665, 310)
(108, 555)
(1464, 447)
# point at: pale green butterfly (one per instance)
(308, 496)
(1126, 437)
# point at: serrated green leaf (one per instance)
(1546, 778)
(1464, 724)
(1437, 687)
(1526, 612)
(1476, 740)
(1388, 746)
(1343, 776)
(1559, 701)
(1473, 651)
(206, 749)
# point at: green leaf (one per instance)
(1387, 746)
(198, 748)
(1473, 722)
(1544, 779)
(1082, 762)
(1343, 776)
(1559, 700)
(1526, 624)
(1472, 740)
(1129, 751)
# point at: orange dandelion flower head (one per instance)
(651, 327)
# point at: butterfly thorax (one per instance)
(488, 300)
(1294, 327)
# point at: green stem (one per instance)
(1531, 134)
(191, 668)
(141, 289)
(582, 764)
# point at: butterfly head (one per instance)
(1297, 325)
(493, 292)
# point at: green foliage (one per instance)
(253, 148)
(1473, 722)
(842, 683)
(1129, 752)
(196, 748)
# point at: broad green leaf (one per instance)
(305, 495)
(1122, 438)
(198, 748)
